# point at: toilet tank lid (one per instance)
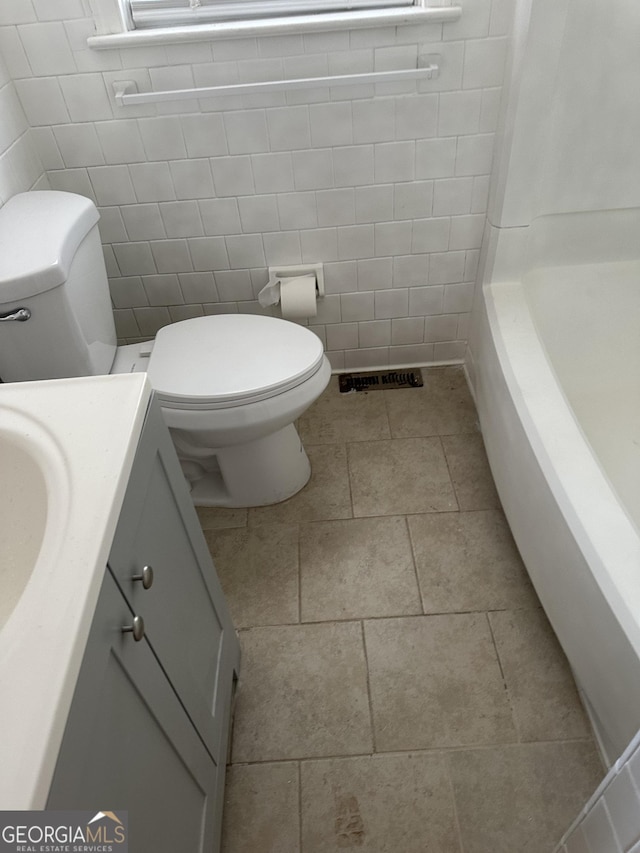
(40, 233)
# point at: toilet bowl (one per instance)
(233, 427)
(230, 385)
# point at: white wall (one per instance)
(197, 199)
(20, 166)
(592, 158)
(572, 124)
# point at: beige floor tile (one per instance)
(380, 804)
(217, 517)
(258, 570)
(543, 693)
(325, 496)
(302, 693)
(443, 406)
(468, 561)
(261, 809)
(336, 417)
(357, 568)
(435, 682)
(521, 798)
(402, 475)
(470, 472)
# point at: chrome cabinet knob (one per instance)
(137, 629)
(146, 577)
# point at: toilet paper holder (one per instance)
(277, 274)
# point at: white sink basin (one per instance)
(33, 500)
(66, 450)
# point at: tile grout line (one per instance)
(369, 697)
(385, 397)
(299, 578)
(446, 460)
(415, 565)
(456, 816)
(346, 450)
(432, 751)
(392, 437)
(376, 617)
(514, 716)
(350, 517)
(299, 768)
(407, 514)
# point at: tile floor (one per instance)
(401, 689)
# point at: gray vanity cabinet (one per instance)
(129, 746)
(186, 617)
(149, 723)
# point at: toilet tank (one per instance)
(51, 262)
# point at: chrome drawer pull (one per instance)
(137, 629)
(146, 577)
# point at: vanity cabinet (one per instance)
(149, 723)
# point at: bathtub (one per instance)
(555, 369)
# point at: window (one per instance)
(150, 14)
(129, 23)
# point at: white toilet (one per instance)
(230, 385)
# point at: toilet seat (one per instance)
(230, 360)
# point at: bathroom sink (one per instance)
(32, 473)
(66, 450)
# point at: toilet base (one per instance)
(258, 473)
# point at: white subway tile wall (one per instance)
(610, 821)
(386, 185)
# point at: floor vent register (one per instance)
(383, 380)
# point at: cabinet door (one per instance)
(188, 623)
(129, 745)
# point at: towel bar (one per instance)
(125, 91)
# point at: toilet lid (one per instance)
(230, 360)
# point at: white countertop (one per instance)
(86, 432)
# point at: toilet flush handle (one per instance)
(19, 314)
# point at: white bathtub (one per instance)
(555, 368)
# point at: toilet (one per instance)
(230, 385)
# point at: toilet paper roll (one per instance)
(270, 294)
(298, 297)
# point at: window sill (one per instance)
(278, 26)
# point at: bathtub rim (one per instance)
(604, 533)
(587, 609)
